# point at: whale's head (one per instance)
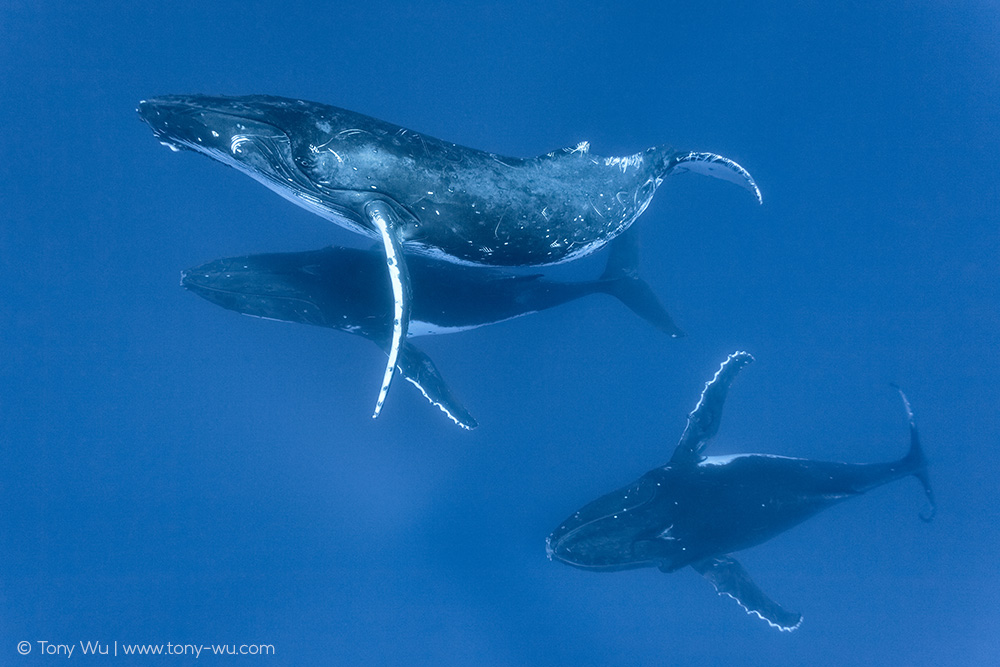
(247, 133)
(259, 286)
(271, 139)
(339, 288)
(612, 532)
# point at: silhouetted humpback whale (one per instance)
(345, 288)
(696, 510)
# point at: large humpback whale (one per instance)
(344, 289)
(696, 510)
(429, 196)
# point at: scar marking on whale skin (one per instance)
(594, 207)
(624, 163)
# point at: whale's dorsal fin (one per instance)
(703, 422)
(729, 577)
(385, 220)
(581, 149)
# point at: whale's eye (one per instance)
(319, 161)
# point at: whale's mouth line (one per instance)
(161, 104)
(233, 292)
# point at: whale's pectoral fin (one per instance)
(418, 369)
(703, 422)
(716, 166)
(729, 577)
(385, 220)
(621, 280)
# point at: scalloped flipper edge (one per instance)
(730, 578)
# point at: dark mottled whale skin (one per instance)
(345, 288)
(433, 197)
(697, 510)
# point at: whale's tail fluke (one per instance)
(621, 280)
(716, 166)
(916, 461)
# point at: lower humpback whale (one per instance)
(344, 289)
(428, 196)
(697, 510)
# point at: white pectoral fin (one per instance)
(383, 218)
(716, 166)
(729, 577)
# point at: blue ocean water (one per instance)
(175, 473)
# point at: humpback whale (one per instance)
(697, 510)
(432, 197)
(344, 289)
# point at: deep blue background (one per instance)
(171, 471)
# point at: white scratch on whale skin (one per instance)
(351, 132)
(624, 163)
(237, 142)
